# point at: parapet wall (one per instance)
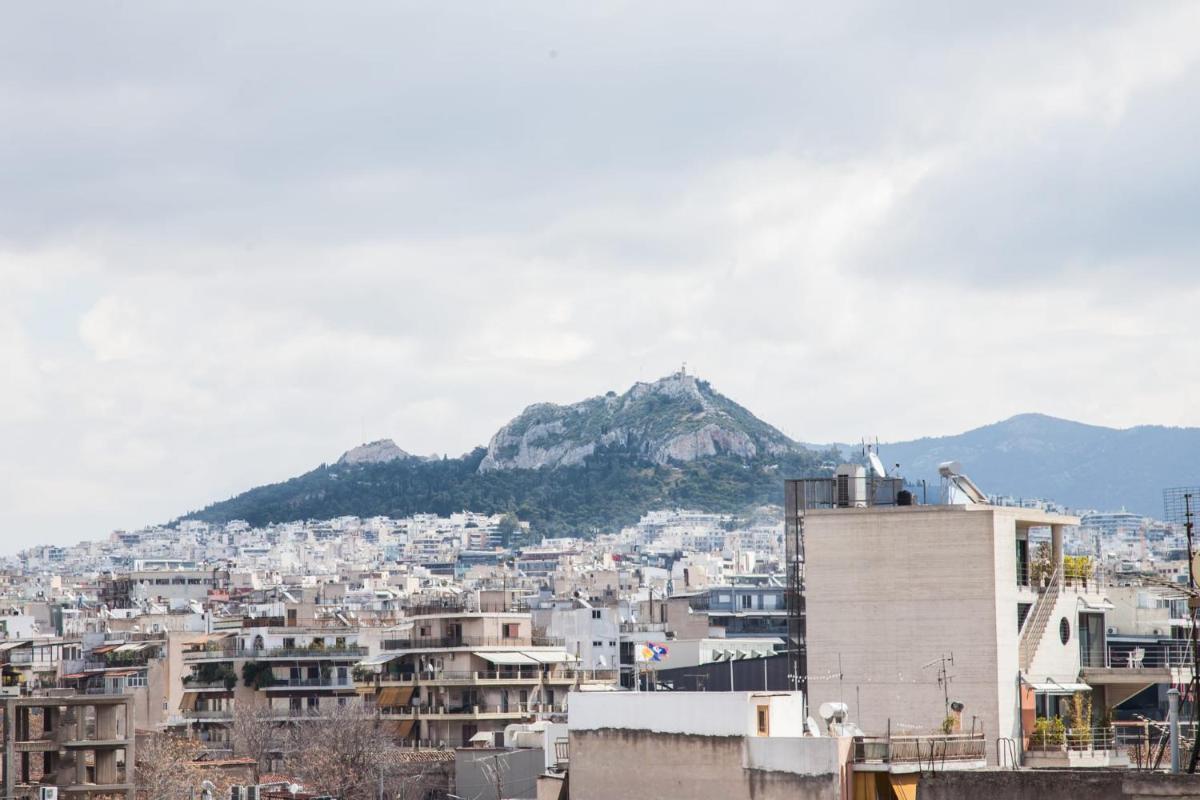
(1059, 785)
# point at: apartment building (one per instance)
(81, 744)
(911, 608)
(294, 673)
(451, 676)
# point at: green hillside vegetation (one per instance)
(613, 488)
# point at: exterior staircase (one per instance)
(1039, 616)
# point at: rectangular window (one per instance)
(595, 613)
(512, 630)
(764, 720)
(747, 601)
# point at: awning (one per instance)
(375, 661)
(394, 696)
(1102, 605)
(507, 658)
(904, 786)
(188, 703)
(400, 728)
(75, 675)
(551, 657)
(11, 645)
(104, 648)
(132, 647)
(1055, 687)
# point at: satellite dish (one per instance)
(813, 729)
(876, 464)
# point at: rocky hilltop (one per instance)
(377, 452)
(675, 419)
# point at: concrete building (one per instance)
(892, 590)
(726, 745)
(454, 675)
(81, 744)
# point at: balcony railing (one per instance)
(500, 676)
(1074, 740)
(522, 709)
(311, 683)
(1147, 655)
(436, 642)
(349, 652)
(931, 747)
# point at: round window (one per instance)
(1064, 630)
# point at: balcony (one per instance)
(208, 714)
(465, 712)
(500, 678)
(224, 654)
(449, 642)
(1138, 662)
(1085, 747)
(311, 683)
(940, 748)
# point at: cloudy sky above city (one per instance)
(235, 241)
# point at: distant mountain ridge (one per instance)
(599, 464)
(1082, 466)
(578, 469)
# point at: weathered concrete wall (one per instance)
(1058, 785)
(610, 763)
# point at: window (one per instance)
(747, 601)
(597, 644)
(1064, 630)
(595, 613)
(764, 720)
(289, 643)
(512, 630)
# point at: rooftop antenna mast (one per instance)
(1179, 505)
(943, 677)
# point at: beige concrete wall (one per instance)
(890, 590)
(611, 763)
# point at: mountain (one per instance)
(592, 466)
(1081, 466)
(672, 420)
(376, 452)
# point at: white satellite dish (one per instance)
(876, 464)
(813, 728)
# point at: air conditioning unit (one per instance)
(1112, 631)
(48, 793)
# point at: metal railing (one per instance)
(1038, 617)
(407, 712)
(1074, 740)
(920, 748)
(434, 642)
(1139, 655)
(311, 683)
(331, 651)
(598, 675)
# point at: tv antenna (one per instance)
(1179, 504)
(943, 676)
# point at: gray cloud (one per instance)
(236, 240)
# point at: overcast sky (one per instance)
(237, 239)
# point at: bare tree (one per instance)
(254, 734)
(347, 754)
(166, 767)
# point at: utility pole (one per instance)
(496, 766)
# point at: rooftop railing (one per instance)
(917, 748)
